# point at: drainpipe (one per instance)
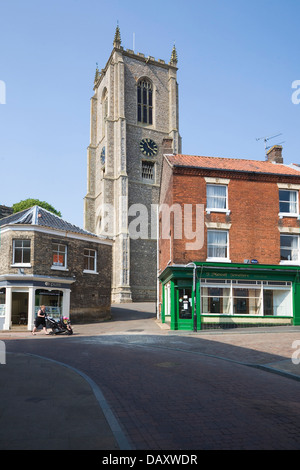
(194, 294)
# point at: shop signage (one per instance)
(52, 284)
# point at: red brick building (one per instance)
(245, 222)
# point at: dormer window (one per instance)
(145, 102)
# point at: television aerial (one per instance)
(266, 140)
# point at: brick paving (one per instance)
(185, 391)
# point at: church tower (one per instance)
(134, 121)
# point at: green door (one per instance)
(184, 308)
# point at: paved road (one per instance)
(131, 384)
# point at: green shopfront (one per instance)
(209, 296)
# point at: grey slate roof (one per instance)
(36, 215)
(5, 211)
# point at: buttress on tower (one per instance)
(134, 121)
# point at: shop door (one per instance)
(184, 308)
(268, 302)
(19, 308)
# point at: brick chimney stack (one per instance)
(167, 146)
(274, 155)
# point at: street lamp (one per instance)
(193, 265)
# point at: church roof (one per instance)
(231, 164)
(38, 216)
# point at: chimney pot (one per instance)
(274, 154)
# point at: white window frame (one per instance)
(91, 271)
(215, 258)
(16, 264)
(291, 262)
(216, 209)
(59, 267)
(167, 299)
(263, 286)
(289, 214)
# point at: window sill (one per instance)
(144, 124)
(149, 182)
(222, 211)
(288, 214)
(21, 265)
(87, 271)
(290, 263)
(218, 260)
(59, 268)
(249, 315)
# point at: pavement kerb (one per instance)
(272, 368)
(117, 435)
(275, 370)
(111, 419)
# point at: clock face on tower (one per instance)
(148, 147)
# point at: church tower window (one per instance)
(104, 109)
(145, 102)
(148, 172)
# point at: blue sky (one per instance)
(237, 62)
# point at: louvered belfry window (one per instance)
(145, 102)
(148, 171)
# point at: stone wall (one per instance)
(90, 293)
(114, 126)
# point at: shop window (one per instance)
(289, 248)
(53, 301)
(216, 300)
(216, 197)
(247, 301)
(2, 302)
(244, 298)
(21, 251)
(277, 302)
(59, 255)
(288, 202)
(90, 260)
(167, 299)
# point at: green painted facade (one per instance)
(186, 281)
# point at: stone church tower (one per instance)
(134, 121)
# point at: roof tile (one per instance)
(231, 164)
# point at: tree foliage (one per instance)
(27, 203)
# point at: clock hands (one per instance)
(148, 147)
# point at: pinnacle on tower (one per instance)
(174, 58)
(97, 74)
(117, 39)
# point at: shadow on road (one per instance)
(132, 311)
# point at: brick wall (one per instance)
(253, 201)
